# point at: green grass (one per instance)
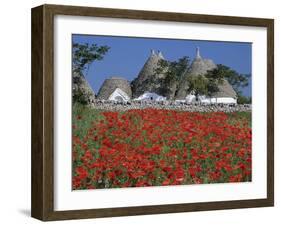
(83, 117)
(236, 117)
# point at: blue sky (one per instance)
(127, 55)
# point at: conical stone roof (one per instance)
(225, 90)
(81, 89)
(146, 80)
(201, 66)
(111, 84)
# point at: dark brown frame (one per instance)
(42, 203)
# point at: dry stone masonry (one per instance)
(81, 88)
(169, 105)
(111, 84)
(147, 80)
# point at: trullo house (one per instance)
(116, 89)
(147, 84)
(81, 89)
(200, 66)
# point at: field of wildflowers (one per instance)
(151, 147)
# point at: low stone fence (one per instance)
(169, 105)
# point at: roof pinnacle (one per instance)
(152, 52)
(160, 55)
(198, 53)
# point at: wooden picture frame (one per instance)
(42, 203)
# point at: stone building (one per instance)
(81, 90)
(151, 96)
(148, 85)
(115, 88)
(147, 79)
(201, 66)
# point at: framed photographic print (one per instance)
(141, 112)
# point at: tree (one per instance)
(206, 84)
(197, 85)
(84, 55)
(243, 99)
(236, 80)
(173, 72)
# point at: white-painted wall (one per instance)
(119, 94)
(151, 96)
(203, 99)
(219, 100)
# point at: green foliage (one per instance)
(219, 73)
(198, 85)
(172, 70)
(243, 99)
(208, 84)
(216, 76)
(78, 96)
(85, 54)
(235, 79)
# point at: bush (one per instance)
(244, 100)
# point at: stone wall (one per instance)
(169, 105)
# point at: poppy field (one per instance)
(151, 147)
